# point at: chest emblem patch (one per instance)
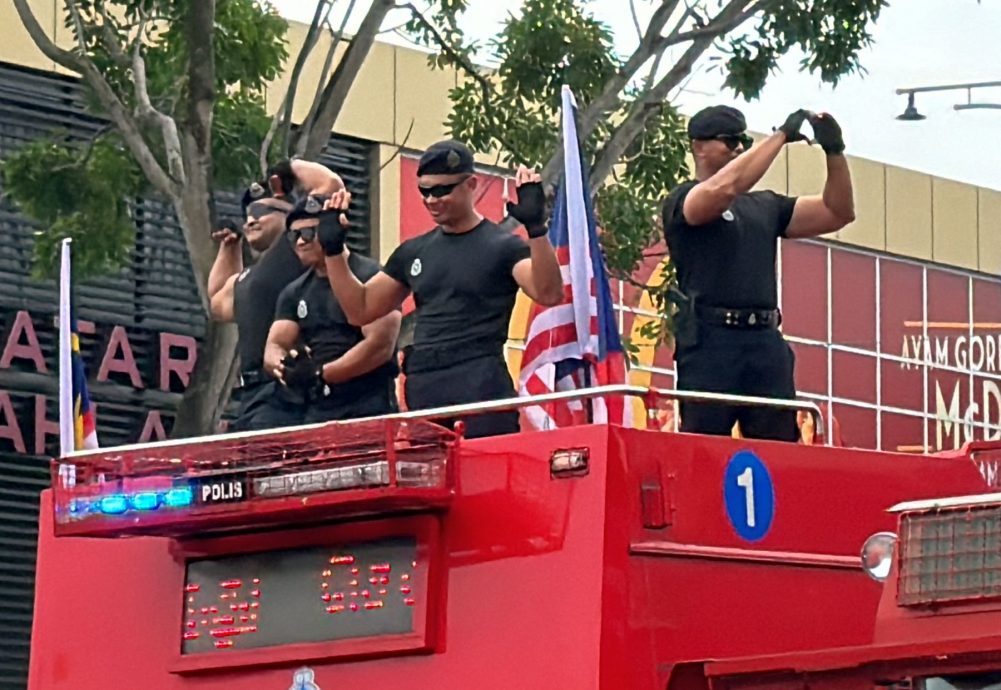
(415, 268)
(302, 311)
(728, 215)
(243, 275)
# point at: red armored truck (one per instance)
(393, 553)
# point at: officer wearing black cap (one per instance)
(465, 275)
(247, 295)
(341, 371)
(722, 240)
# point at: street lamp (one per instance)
(911, 112)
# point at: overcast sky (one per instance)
(918, 43)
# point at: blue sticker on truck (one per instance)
(749, 496)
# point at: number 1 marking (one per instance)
(746, 482)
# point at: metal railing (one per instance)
(650, 397)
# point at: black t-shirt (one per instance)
(310, 302)
(729, 262)
(254, 295)
(462, 284)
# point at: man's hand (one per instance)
(793, 124)
(299, 371)
(228, 234)
(827, 132)
(530, 210)
(334, 223)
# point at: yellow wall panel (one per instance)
(908, 213)
(990, 231)
(421, 99)
(388, 220)
(869, 228)
(954, 223)
(777, 176)
(807, 169)
(17, 46)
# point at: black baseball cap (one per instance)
(310, 207)
(449, 157)
(716, 120)
(262, 189)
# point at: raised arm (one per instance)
(835, 208)
(711, 197)
(539, 275)
(222, 277)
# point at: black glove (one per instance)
(302, 373)
(827, 132)
(331, 232)
(530, 210)
(792, 126)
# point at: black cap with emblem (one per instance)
(716, 120)
(310, 207)
(449, 157)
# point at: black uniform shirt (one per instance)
(729, 262)
(323, 326)
(462, 284)
(254, 295)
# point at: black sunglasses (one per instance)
(258, 210)
(732, 141)
(307, 234)
(439, 190)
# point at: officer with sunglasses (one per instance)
(722, 238)
(340, 371)
(247, 294)
(465, 275)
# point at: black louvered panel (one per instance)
(154, 294)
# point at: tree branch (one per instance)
(116, 110)
(145, 110)
(652, 100)
(111, 41)
(469, 68)
(335, 40)
(335, 93)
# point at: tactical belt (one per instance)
(417, 359)
(739, 318)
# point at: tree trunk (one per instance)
(211, 382)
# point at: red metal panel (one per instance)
(854, 377)
(811, 368)
(804, 290)
(853, 299)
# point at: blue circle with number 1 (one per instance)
(749, 496)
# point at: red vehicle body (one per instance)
(592, 557)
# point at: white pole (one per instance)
(67, 436)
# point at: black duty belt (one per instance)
(418, 358)
(252, 377)
(739, 318)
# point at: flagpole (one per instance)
(67, 443)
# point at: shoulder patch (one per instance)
(415, 268)
(302, 311)
(243, 274)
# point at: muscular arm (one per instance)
(281, 338)
(227, 266)
(221, 301)
(834, 209)
(710, 198)
(371, 353)
(539, 275)
(316, 178)
(363, 303)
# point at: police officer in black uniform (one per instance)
(722, 240)
(247, 295)
(465, 275)
(342, 371)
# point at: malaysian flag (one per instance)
(574, 344)
(77, 430)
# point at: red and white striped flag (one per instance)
(574, 344)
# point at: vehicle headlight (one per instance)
(877, 555)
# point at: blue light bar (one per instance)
(115, 504)
(178, 498)
(147, 500)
